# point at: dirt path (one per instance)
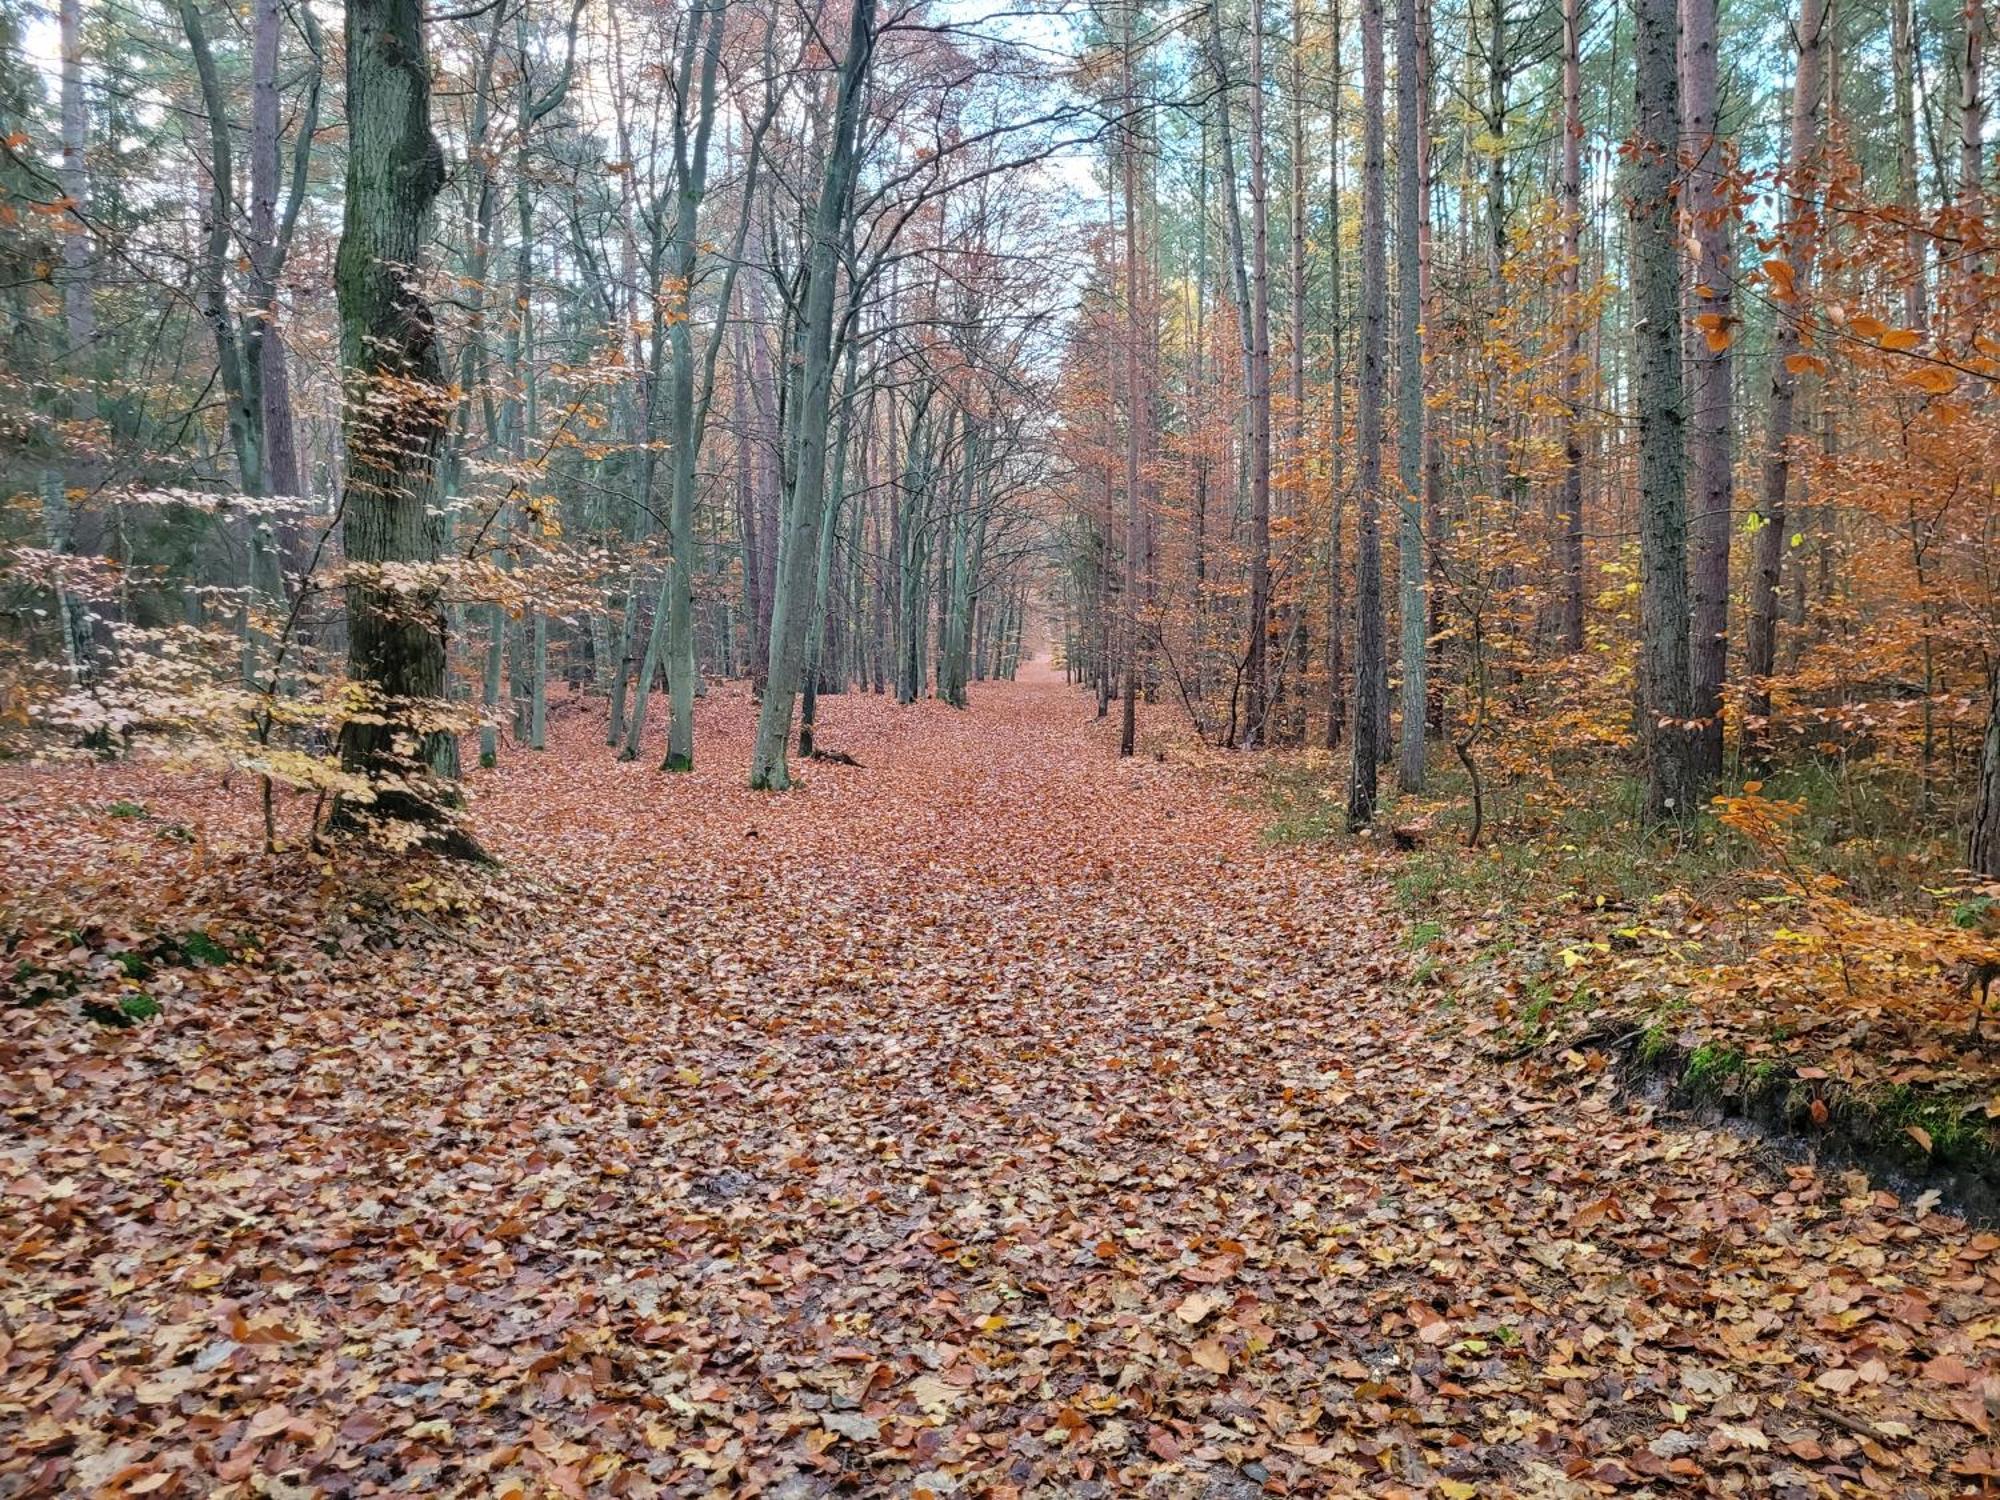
(991, 1118)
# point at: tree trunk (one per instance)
(798, 539)
(1369, 656)
(1336, 567)
(80, 336)
(395, 418)
(1257, 675)
(1761, 645)
(1410, 208)
(1135, 400)
(1983, 848)
(1570, 192)
(1664, 684)
(1903, 43)
(1711, 412)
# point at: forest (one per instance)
(952, 748)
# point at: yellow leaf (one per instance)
(1211, 1356)
(1867, 327)
(1719, 339)
(1805, 364)
(1933, 378)
(1901, 339)
(1918, 1134)
(1456, 1489)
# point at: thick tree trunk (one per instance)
(1369, 656)
(1671, 777)
(395, 418)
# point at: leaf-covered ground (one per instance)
(990, 1118)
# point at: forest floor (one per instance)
(990, 1118)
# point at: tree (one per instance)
(1369, 731)
(395, 419)
(1711, 406)
(805, 502)
(1570, 192)
(1792, 288)
(1415, 609)
(1671, 768)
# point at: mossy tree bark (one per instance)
(395, 414)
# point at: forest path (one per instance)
(994, 1117)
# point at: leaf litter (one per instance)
(990, 1118)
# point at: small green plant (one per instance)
(132, 965)
(128, 1010)
(123, 809)
(1952, 1131)
(1709, 1067)
(1423, 935)
(203, 949)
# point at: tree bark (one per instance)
(395, 418)
(1761, 644)
(1336, 591)
(1671, 779)
(1257, 675)
(1711, 412)
(1414, 611)
(798, 539)
(1369, 656)
(1570, 192)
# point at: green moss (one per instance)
(1709, 1067)
(127, 1010)
(1955, 1132)
(203, 949)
